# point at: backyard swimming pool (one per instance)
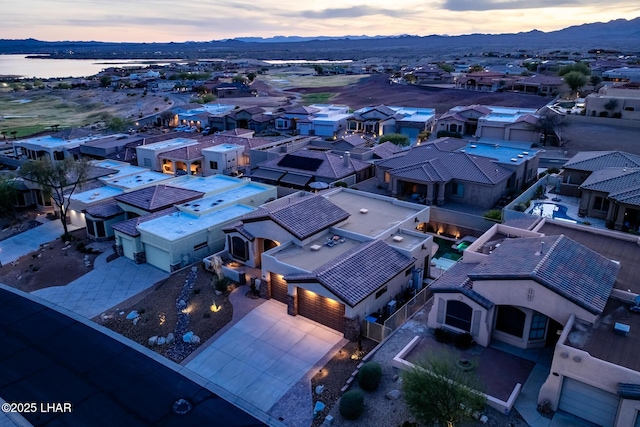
(551, 210)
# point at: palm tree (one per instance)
(14, 132)
(549, 125)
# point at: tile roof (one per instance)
(386, 150)
(332, 166)
(562, 265)
(301, 109)
(359, 272)
(613, 180)
(130, 226)
(456, 279)
(105, 210)
(303, 217)
(594, 160)
(158, 197)
(239, 227)
(430, 163)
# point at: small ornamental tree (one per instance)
(395, 138)
(438, 390)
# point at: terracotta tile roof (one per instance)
(359, 272)
(456, 280)
(611, 180)
(302, 217)
(239, 227)
(332, 166)
(562, 265)
(158, 197)
(386, 150)
(130, 226)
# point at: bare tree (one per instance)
(58, 180)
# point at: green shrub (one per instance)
(395, 138)
(442, 335)
(352, 404)
(341, 184)
(223, 284)
(463, 341)
(369, 376)
(80, 247)
(493, 215)
(445, 133)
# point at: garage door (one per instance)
(587, 402)
(321, 309)
(278, 288)
(521, 135)
(157, 257)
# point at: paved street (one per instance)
(48, 357)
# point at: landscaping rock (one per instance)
(161, 341)
(132, 315)
(319, 389)
(152, 341)
(195, 339)
(170, 338)
(104, 317)
(317, 408)
(484, 419)
(393, 395)
(328, 420)
(181, 305)
(187, 337)
(135, 321)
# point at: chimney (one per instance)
(346, 158)
(541, 252)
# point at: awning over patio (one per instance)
(267, 174)
(296, 179)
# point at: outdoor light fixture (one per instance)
(215, 307)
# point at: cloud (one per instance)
(479, 5)
(351, 12)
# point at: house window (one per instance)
(381, 292)
(510, 320)
(200, 246)
(213, 165)
(601, 204)
(100, 230)
(458, 315)
(353, 126)
(58, 155)
(538, 326)
(457, 189)
(90, 227)
(239, 248)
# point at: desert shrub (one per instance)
(352, 404)
(445, 133)
(222, 284)
(442, 335)
(493, 214)
(369, 376)
(341, 184)
(80, 247)
(463, 341)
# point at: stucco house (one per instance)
(334, 258)
(382, 120)
(620, 100)
(607, 184)
(570, 292)
(450, 169)
(491, 122)
(253, 118)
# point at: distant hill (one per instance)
(621, 34)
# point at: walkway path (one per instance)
(106, 286)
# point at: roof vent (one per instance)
(397, 238)
(364, 210)
(526, 153)
(520, 156)
(315, 247)
(473, 145)
(513, 159)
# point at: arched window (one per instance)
(510, 320)
(458, 315)
(239, 248)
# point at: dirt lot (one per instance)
(49, 266)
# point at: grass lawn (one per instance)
(317, 98)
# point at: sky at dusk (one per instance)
(203, 20)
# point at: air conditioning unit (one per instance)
(364, 211)
(391, 306)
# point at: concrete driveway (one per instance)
(104, 287)
(264, 354)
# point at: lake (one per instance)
(44, 68)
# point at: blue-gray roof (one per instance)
(562, 265)
(301, 216)
(130, 226)
(359, 272)
(456, 280)
(105, 210)
(595, 160)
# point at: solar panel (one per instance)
(299, 162)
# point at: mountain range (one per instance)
(619, 35)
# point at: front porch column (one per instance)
(620, 218)
(173, 167)
(394, 187)
(611, 214)
(352, 328)
(118, 249)
(440, 200)
(292, 302)
(429, 196)
(265, 289)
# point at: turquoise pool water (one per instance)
(551, 210)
